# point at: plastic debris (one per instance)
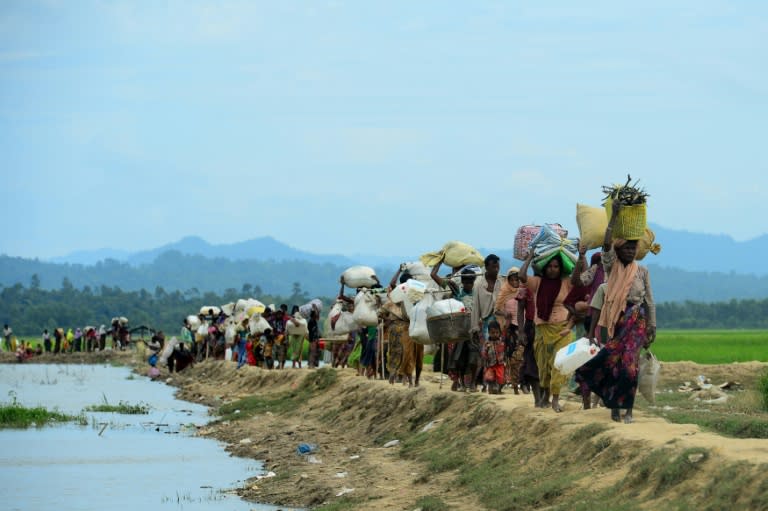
(341, 475)
(355, 457)
(304, 448)
(246, 441)
(429, 426)
(267, 475)
(344, 491)
(392, 443)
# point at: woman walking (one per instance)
(627, 323)
(550, 291)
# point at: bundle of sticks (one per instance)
(627, 195)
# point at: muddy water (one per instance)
(132, 462)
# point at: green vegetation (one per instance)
(33, 309)
(711, 346)
(431, 503)
(763, 389)
(121, 407)
(14, 415)
(280, 402)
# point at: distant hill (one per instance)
(680, 249)
(699, 267)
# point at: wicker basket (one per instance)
(449, 327)
(631, 223)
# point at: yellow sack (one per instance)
(631, 223)
(14, 344)
(646, 244)
(456, 254)
(592, 223)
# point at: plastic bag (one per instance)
(359, 276)
(648, 371)
(366, 310)
(456, 254)
(448, 306)
(230, 334)
(417, 330)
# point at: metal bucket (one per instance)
(449, 327)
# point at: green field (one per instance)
(712, 346)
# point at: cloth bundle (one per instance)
(454, 254)
(548, 244)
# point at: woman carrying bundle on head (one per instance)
(550, 291)
(627, 323)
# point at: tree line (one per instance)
(30, 309)
(176, 271)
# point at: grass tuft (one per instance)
(14, 415)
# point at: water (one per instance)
(135, 462)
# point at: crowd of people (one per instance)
(72, 340)
(518, 324)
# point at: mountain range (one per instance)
(696, 267)
(680, 249)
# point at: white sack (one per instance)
(193, 322)
(359, 276)
(257, 324)
(296, 326)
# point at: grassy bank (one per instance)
(14, 415)
(459, 451)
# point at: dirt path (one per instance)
(352, 420)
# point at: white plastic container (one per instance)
(411, 289)
(576, 354)
(416, 290)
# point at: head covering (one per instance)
(513, 271)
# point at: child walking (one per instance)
(492, 353)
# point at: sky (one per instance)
(361, 127)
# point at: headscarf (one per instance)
(507, 292)
(546, 296)
(619, 281)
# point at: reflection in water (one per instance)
(136, 462)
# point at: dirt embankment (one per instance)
(459, 451)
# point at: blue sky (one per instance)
(373, 127)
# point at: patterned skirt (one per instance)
(612, 373)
